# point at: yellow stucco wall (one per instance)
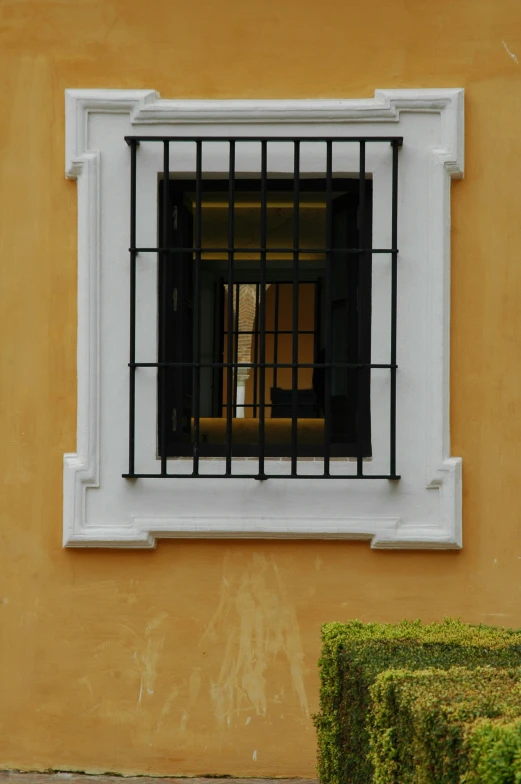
(200, 657)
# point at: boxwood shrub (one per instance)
(494, 752)
(353, 654)
(419, 724)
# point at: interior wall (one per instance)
(284, 344)
(201, 657)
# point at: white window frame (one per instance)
(421, 510)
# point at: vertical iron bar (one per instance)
(328, 372)
(164, 261)
(317, 322)
(394, 298)
(362, 259)
(262, 314)
(197, 309)
(231, 372)
(132, 358)
(295, 310)
(255, 349)
(219, 347)
(276, 336)
(237, 287)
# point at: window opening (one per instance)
(264, 313)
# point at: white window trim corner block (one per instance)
(422, 509)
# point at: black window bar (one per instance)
(340, 333)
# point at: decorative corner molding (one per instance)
(80, 103)
(82, 468)
(447, 533)
(449, 103)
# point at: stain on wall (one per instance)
(200, 657)
(255, 623)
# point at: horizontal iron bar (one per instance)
(288, 251)
(270, 332)
(389, 139)
(266, 405)
(265, 364)
(256, 476)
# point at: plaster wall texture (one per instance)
(200, 657)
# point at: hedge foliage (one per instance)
(353, 654)
(419, 723)
(494, 752)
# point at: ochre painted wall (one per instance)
(200, 657)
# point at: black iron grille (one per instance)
(264, 312)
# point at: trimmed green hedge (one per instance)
(353, 654)
(494, 752)
(419, 723)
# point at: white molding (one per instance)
(80, 103)
(383, 534)
(82, 468)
